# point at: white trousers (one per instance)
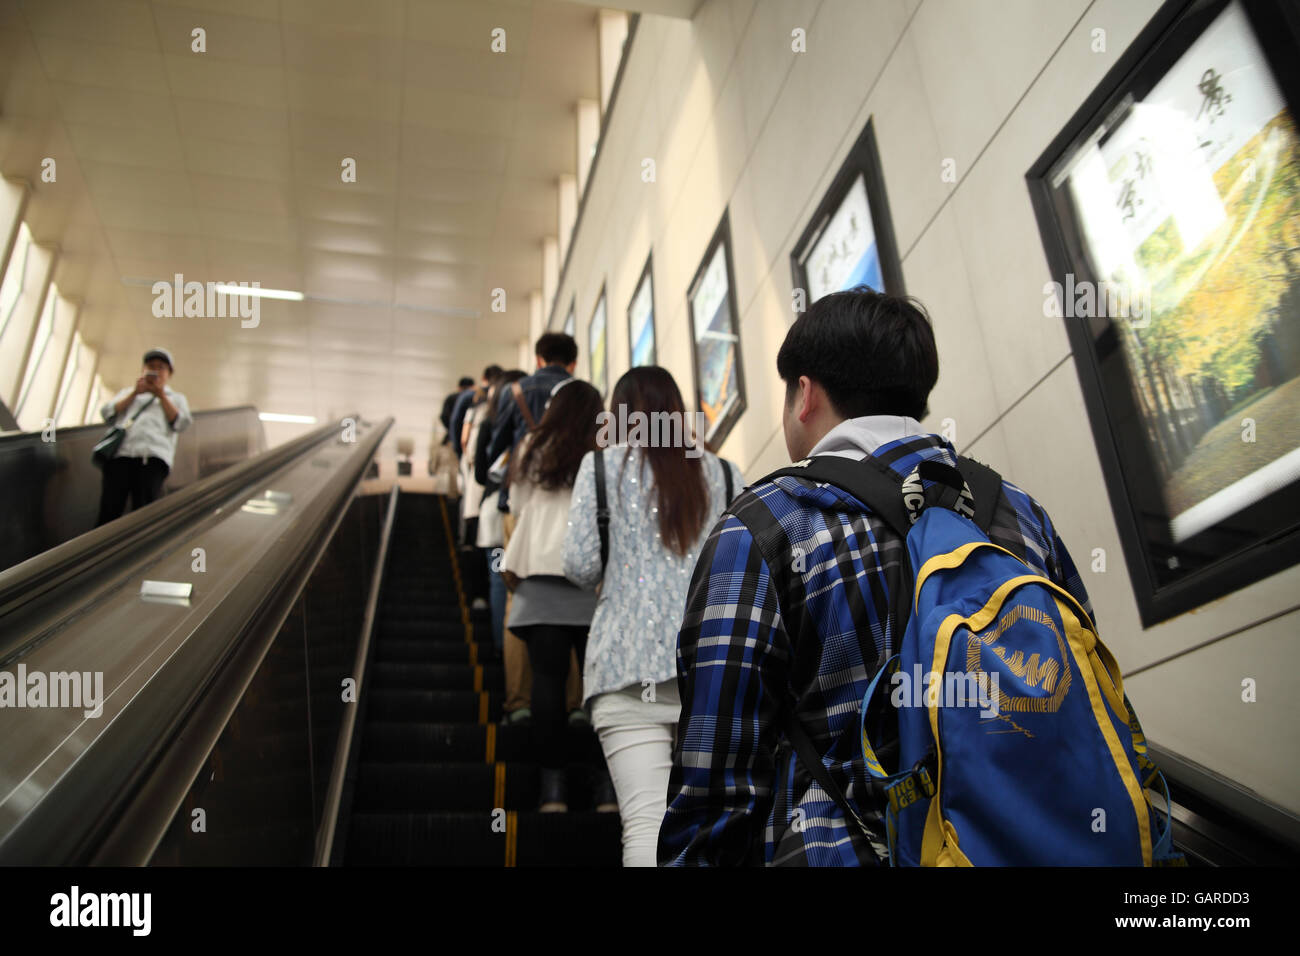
(637, 738)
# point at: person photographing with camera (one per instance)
(152, 414)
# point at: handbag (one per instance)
(106, 448)
(536, 545)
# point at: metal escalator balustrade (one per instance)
(76, 789)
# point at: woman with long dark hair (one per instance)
(664, 492)
(547, 612)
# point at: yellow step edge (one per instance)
(499, 785)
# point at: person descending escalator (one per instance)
(152, 414)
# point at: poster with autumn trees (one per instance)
(1193, 198)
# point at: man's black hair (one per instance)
(492, 373)
(556, 348)
(466, 382)
(874, 354)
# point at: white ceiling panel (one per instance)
(228, 37)
(226, 166)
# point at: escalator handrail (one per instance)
(34, 578)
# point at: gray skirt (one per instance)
(550, 599)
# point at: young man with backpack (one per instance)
(803, 592)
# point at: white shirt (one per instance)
(152, 436)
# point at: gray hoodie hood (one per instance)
(859, 437)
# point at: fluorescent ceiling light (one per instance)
(294, 419)
(241, 290)
(450, 312)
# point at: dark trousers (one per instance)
(548, 651)
(141, 480)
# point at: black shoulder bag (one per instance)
(106, 448)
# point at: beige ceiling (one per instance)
(225, 166)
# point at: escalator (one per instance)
(439, 782)
(322, 695)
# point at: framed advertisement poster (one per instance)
(641, 320)
(715, 339)
(1170, 211)
(597, 348)
(850, 239)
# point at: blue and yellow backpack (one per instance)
(999, 734)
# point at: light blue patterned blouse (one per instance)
(633, 635)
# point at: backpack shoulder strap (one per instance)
(602, 508)
(875, 486)
(726, 480)
(131, 419)
(770, 540)
(812, 760)
(518, 394)
(985, 487)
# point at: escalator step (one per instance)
(428, 652)
(416, 595)
(420, 676)
(432, 705)
(434, 652)
(422, 630)
(419, 610)
(469, 839)
(430, 788)
(398, 742)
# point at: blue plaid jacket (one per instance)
(805, 631)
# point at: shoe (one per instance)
(606, 798)
(555, 792)
(517, 718)
(578, 718)
(479, 605)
